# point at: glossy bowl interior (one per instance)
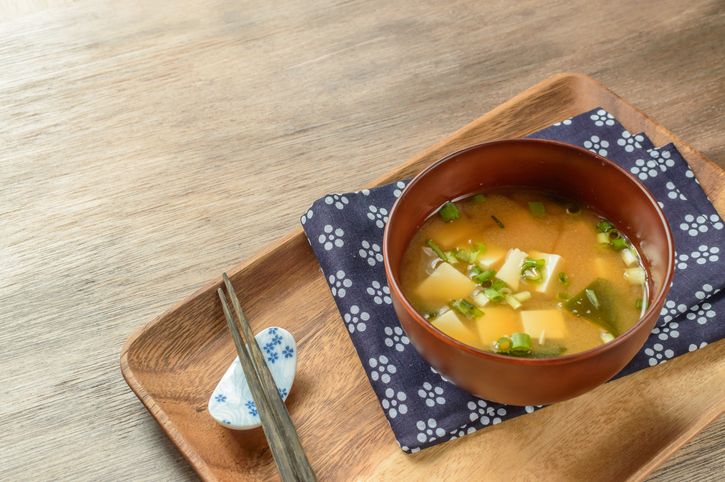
(560, 168)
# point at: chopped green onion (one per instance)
(604, 226)
(520, 343)
(498, 284)
(512, 301)
(618, 244)
(592, 297)
(497, 221)
(537, 209)
(602, 238)
(449, 212)
(466, 308)
(446, 256)
(531, 269)
(638, 303)
(573, 208)
(493, 294)
(471, 257)
(480, 299)
(523, 295)
(563, 278)
(607, 337)
(635, 276)
(430, 315)
(479, 198)
(629, 257)
(503, 345)
(484, 276)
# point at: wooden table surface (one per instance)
(146, 146)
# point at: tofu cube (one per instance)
(497, 322)
(444, 284)
(492, 256)
(510, 272)
(550, 322)
(455, 234)
(450, 324)
(552, 265)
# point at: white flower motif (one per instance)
(681, 259)
(663, 158)
(431, 395)
(597, 145)
(532, 408)
(695, 225)
(694, 347)
(430, 431)
(393, 403)
(331, 237)
(658, 354)
(380, 293)
(396, 337)
(706, 291)
(483, 413)
(365, 192)
(667, 331)
(442, 377)
(629, 141)
(307, 216)
(408, 450)
(399, 186)
(704, 253)
(565, 122)
(461, 431)
(371, 252)
(338, 200)
(379, 215)
(672, 310)
(701, 312)
(673, 192)
(657, 162)
(601, 118)
(356, 319)
(339, 284)
(382, 369)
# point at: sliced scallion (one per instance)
(602, 238)
(523, 296)
(618, 244)
(466, 308)
(512, 302)
(503, 345)
(537, 209)
(520, 343)
(563, 278)
(449, 212)
(446, 256)
(638, 303)
(479, 198)
(628, 256)
(604, 226)
(484, 276)
(493, 294)
(607, 337)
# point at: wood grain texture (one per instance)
(117, 119)
(175, 361)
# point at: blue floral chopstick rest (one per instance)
(231, 403)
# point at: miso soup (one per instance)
(524, 273)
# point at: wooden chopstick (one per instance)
(278, 428)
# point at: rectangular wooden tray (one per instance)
(621, 430)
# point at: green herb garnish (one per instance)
(618, 244)
(493, 294)
(449, 212)
(479, 198)
(497, 221)
(483, 276)
(537, 209)
(468, 256)
(604, 226)
(532, 269)
(502, 345)
(466, 308)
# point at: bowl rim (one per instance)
(559, 360)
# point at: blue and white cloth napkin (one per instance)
(423, 408)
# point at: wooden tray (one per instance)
(621, 430)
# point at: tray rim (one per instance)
(201, 466)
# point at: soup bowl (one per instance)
(562, 169)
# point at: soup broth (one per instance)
(524, 273)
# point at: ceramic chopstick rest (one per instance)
(231, 403)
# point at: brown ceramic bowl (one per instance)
(552, 166)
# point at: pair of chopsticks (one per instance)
(278, 428)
